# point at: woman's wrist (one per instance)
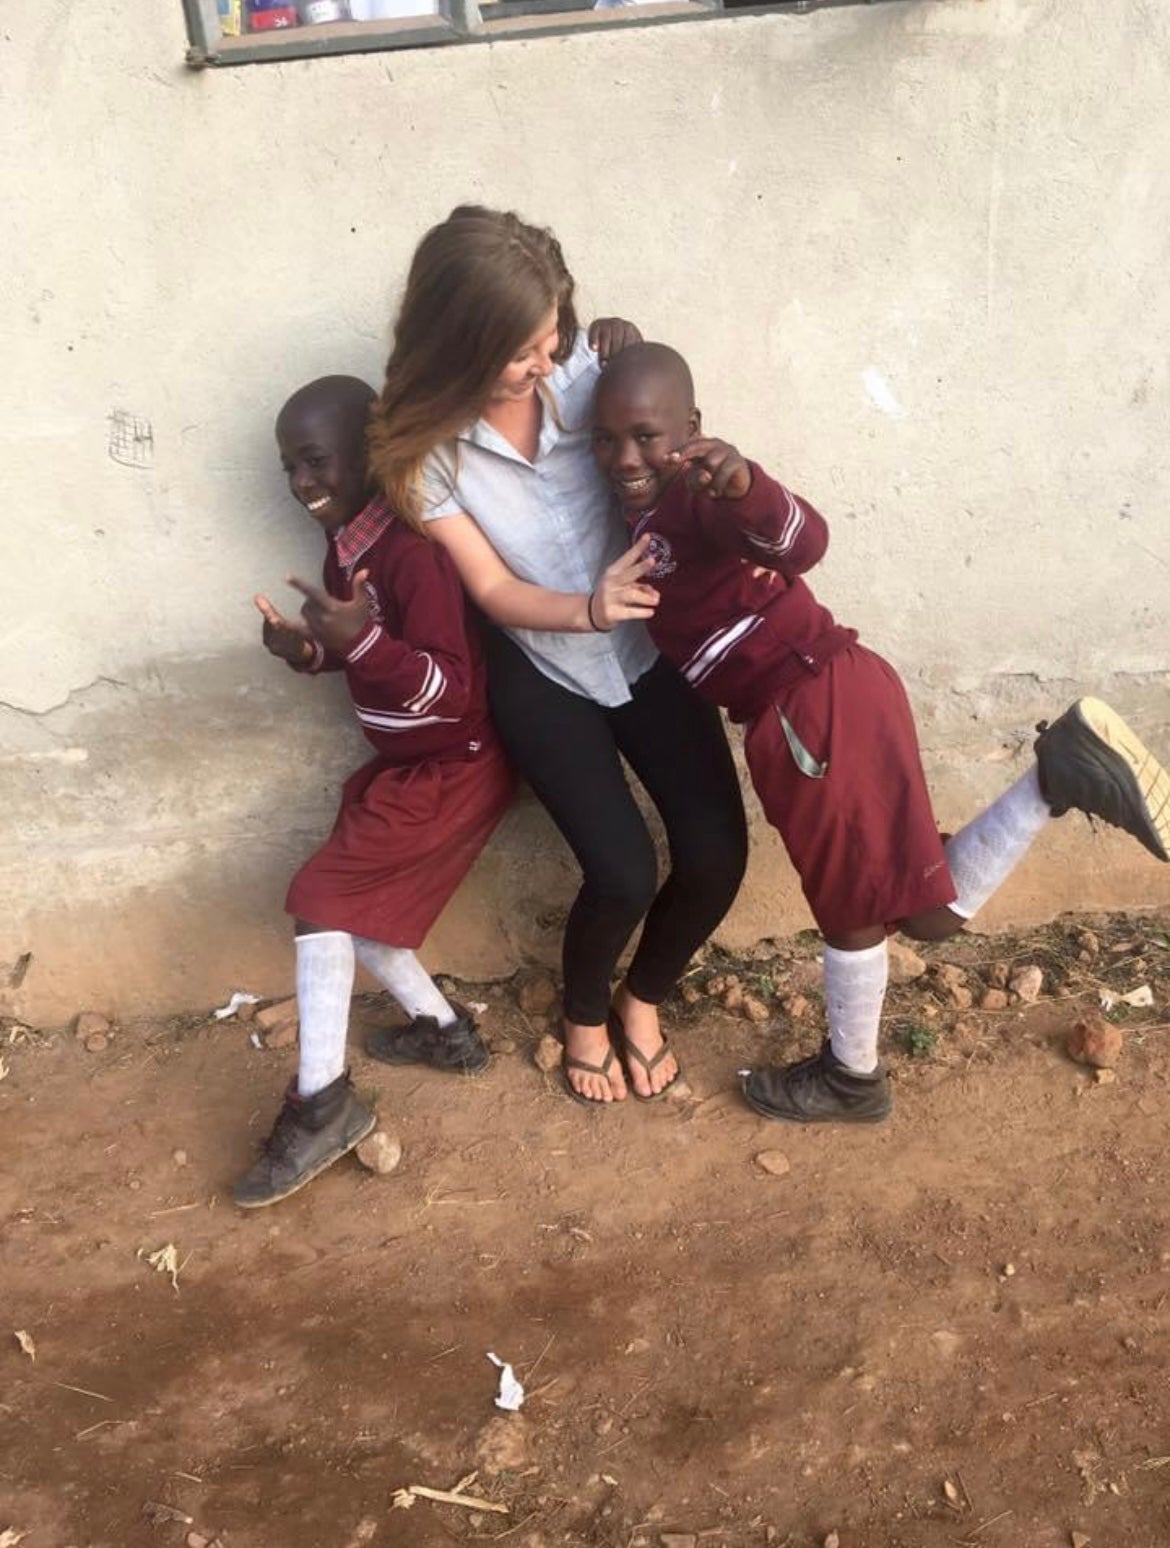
(593, 624)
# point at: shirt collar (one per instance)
(360, 534)
(483, 434)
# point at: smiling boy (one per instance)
(829, 736)
(391, 616)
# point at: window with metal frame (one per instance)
(230, 32)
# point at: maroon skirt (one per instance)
(843, 785)
(404, 839)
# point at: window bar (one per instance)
(203, 31)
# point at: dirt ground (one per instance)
(947, 1329)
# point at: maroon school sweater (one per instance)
(735, 616)
(416, 672)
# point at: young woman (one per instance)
(481, 433)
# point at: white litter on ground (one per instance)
(511, 1393)
(233, 1005)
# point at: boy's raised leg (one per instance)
(1088, 760)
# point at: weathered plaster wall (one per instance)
(916, 253)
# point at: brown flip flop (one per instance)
(629, 1051)
(568, 1062)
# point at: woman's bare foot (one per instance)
(592, 1046)
(640, 1022)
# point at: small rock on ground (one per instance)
(796, 1006)
(905, 963)
(994, 1000)
(380, 1152)
(774, 1162)
(275, 1015)
(96, 1042)
(537, 994)
(754, 1009)
(89, 1024)
(548, 1053)
(1027, 982)
(1096, 1042)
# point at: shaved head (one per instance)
(642, 364)
(343, 401)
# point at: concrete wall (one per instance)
(916, 252)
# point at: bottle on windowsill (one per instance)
(314, 12)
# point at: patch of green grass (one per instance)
(919, 1041)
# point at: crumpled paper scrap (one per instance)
(511, 1393)
(1139, 998)
(233, 1005)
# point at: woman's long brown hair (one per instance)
(479, 286)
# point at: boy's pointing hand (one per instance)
(287, 640)
(716, 468)
(333, 623)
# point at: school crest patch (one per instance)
(660, 551)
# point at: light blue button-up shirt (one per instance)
(553, 522)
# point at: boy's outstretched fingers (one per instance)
(282, 638)
(717, 467)
(266, 610)
(332, 621)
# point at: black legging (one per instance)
(567, 748)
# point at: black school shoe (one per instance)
(1091, 760)
(458, 1048)
(819, 1090)
(310, 1134)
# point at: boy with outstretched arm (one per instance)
(391, 616)
(829, 736)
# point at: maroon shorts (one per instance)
(844, 786)
(403, 841)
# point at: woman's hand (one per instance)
(716, 468)
(283, 638)
(610, 335)
(333, 623)
(620, 593)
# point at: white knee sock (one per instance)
(399, 970)
(855, 990)
(324, 986)
(983, 854)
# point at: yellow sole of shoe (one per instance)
(1152, 779)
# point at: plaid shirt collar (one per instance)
(359, 535)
